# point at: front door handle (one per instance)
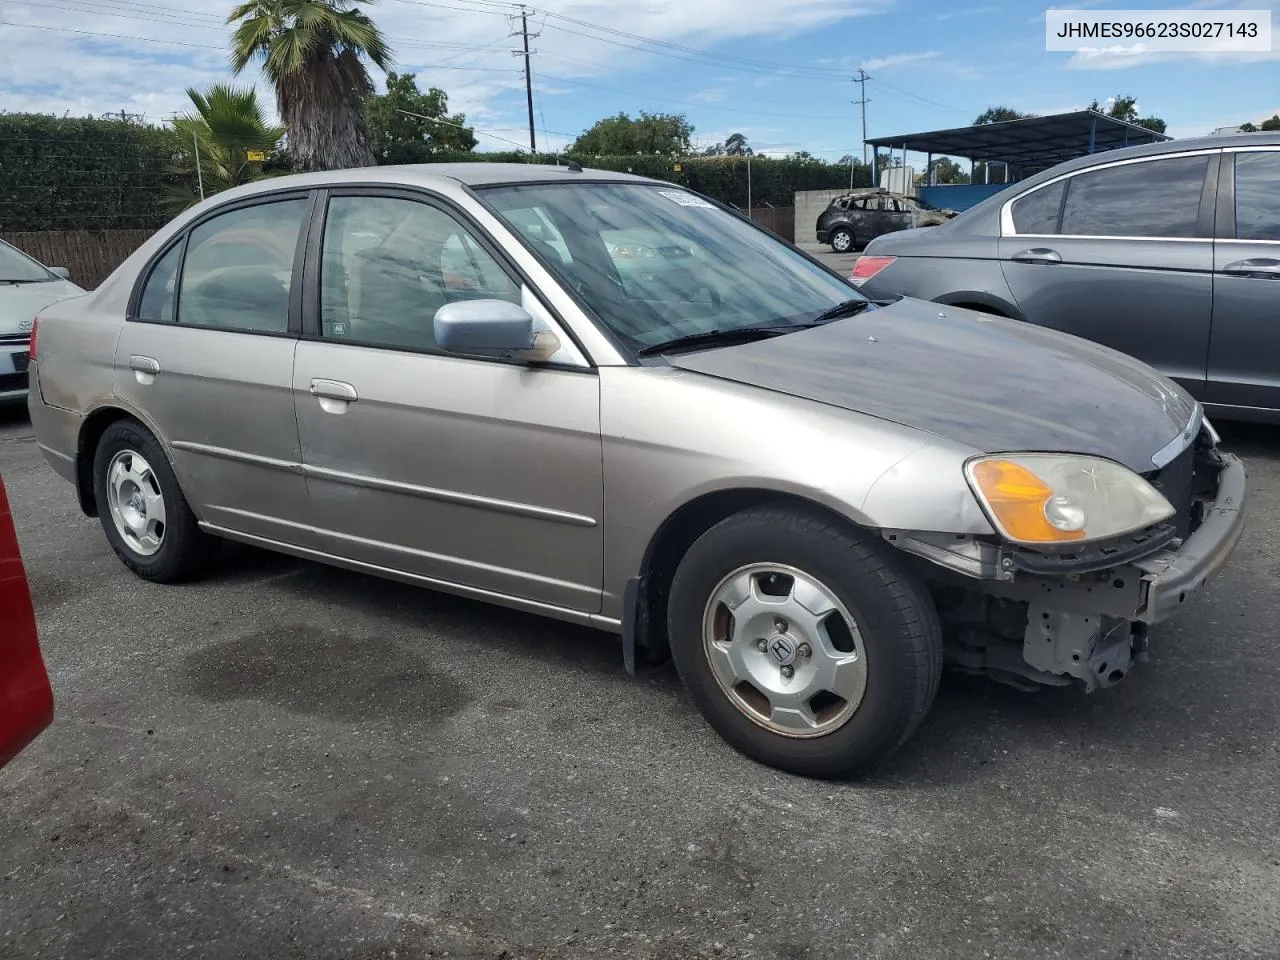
(335, 396)
(144, 368)
(1038, 255)
(1263, 268)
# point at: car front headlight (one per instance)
(1046, 498)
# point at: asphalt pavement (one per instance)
(287, 760)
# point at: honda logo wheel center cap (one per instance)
(782, 649)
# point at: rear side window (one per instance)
(157, 302)
(239, 267)
(1258, 196)
(1156, 198)
(1037, 212)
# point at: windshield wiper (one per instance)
(718, 338)
(16, 282)
(846, 308)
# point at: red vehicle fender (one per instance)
(26, 700)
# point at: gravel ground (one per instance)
(287, 760)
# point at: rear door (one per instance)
(207, 357)
(1121, 254)
(1244, 351)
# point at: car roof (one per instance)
(477, 174)
(1267, 139)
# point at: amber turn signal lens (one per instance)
(1018, 497)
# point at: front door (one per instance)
(465, 470)
(1244, 353)
(1126, 260)
(207, 357)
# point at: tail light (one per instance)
(867, 267)
(31, 349)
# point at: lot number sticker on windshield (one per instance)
(686, 199)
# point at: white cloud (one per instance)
(708, 95)
(898, 60)
(962, 14)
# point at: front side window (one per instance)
(239, 267)
(1155, 198)
(1258, 196)
(656, 263)
(389, 264)
(1037, 212)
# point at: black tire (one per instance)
(185, 550)
(842, 235)
(891, 607)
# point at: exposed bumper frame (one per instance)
(1173, 575)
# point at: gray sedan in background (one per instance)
(609, 400)
(1169, 252)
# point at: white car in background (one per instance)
(26, 287)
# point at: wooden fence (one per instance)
(781, 220)
(90, 255)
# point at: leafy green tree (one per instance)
(736, 146)
(230, 134)
(946, 170)
(656, 133)
(1248, 127)
(1272, 124)
(1000, 115)
(1126, 108)
(398, 137)
(313, 52)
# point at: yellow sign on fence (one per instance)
(256, 156)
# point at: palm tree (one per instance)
(226, 129)
(312, 53)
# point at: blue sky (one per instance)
(777, 70)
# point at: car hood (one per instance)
(19, 302)
(993, 384)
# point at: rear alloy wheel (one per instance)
(805, 643)
(841, 241)
(143, 512)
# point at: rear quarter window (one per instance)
(1155, 198)
(1037, 212)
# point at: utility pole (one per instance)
(861, 79)
(528, 74)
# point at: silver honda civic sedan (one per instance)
(612, 401)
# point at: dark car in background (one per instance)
(1169, 252)
(855, 218)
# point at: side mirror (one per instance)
(492, 328)
(62, 272)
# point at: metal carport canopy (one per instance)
(1033, 141)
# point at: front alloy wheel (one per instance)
(842, 241)
(784, 650)
(806, 642)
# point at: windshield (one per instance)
(656, 264)
(17, 267)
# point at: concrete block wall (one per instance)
(809, 205)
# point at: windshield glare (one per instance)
(15, 265)
(656, 264)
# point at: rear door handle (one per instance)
(1037, 255)
(144, 368)
(335, 396)
(1263, 268)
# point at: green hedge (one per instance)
(81, 173)
(102, 174)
